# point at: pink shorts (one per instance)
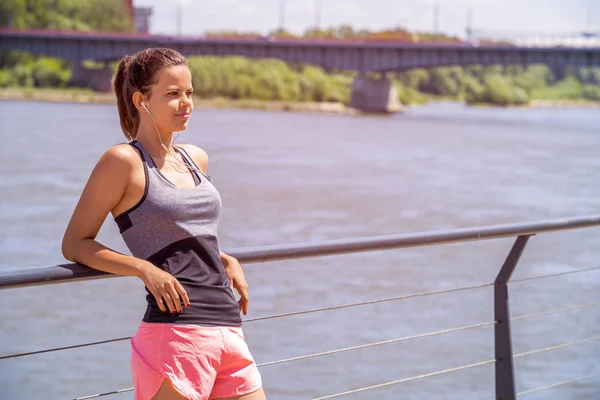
(201, 362)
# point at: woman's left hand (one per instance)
(234, 272)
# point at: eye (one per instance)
(173, 93)
(189, 93)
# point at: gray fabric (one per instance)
(175, 229)
(169, 214)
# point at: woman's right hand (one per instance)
(165, 288)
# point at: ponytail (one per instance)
(124, 92)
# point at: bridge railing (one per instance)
(504, 356)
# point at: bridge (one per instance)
(380, 57)
(586, 38)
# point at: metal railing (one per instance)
(504, 357)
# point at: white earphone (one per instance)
(189, 167)
(161, 143)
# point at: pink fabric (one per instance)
(201, 362)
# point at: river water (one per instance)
(294, 177)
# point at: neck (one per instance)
(152, 140)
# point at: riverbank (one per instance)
(564, 103)
(70, 95)
(90, 96)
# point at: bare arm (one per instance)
(235, 273)
(104, 190)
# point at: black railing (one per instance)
(504, 357)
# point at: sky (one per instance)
(515, 16)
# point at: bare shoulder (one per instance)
(198, 155)
(121, 153)
(117, 162)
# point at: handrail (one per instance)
(72, 272)
(505, 386)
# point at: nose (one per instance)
(186, 101)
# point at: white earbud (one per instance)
(163, 145)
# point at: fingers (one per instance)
(182, 293)
(171, 298)
(245, 298)
(159, 301)
(175, 301)
(167, 290)
(243, 305)
(167, 301)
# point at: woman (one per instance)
(189, 344)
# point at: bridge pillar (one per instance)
(374, 95)
(96, 78)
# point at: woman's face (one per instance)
(170, 101)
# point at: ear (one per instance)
(138, 100)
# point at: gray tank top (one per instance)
(176, 230)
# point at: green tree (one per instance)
(568, 88)
(50, 72)
(445, 81)
(28, 70)
(473, 90)
(414, 78)
(534, 77)
(591, 92)
(108, 15)
(499, 90)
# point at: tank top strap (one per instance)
(146, 158)
(191, 164)
(149, 162)
(186, 157)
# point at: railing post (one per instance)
(505, 378)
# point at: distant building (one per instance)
(142, 19)
(129, 7)
(140, 16)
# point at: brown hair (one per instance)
(138, 73)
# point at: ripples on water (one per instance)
(288, 177)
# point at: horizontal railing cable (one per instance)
(581, 378)
(526, 353)
(95, 396)
(523, 354)
(76, 346)
(367, 302)
(363, 346)
(404, 297)
(412, 378)
(331, 352)
(557, 346)
(542, 313)
(523, 393)
(531, 278)
(555, 311)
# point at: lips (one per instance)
(183, 115)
